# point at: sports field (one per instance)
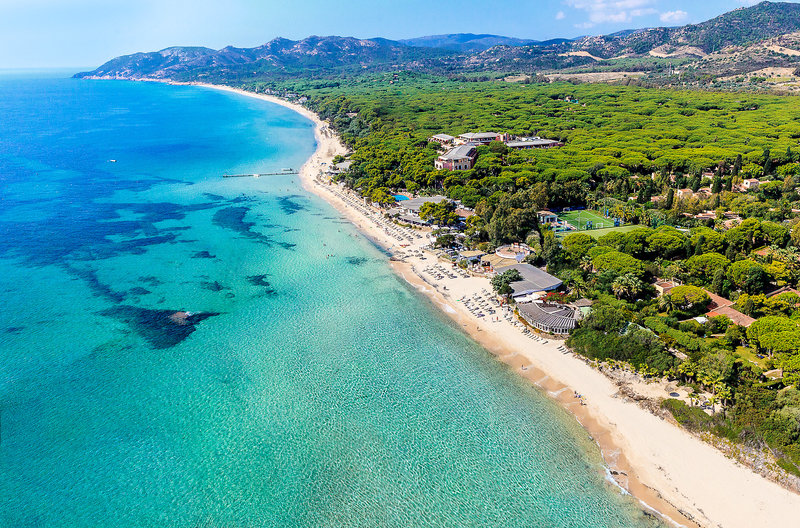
(579, 219)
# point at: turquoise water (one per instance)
(400, 197)
(309, 386)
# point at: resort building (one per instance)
(341, 167)
(534, 280)
(472, 257)
(407, 211)
(546, 217)
(526, 143)
(551, 318)
(442, 139)
(458, 158)
(481, 138)
(415, 204)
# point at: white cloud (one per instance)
(613, 11)
(672, 17)
(560, 15)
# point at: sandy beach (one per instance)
(686, 480)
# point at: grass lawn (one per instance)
(597, 233)
(748, 355)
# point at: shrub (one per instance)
(692, 418)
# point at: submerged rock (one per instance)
(160, 328)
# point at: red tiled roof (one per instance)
(737, 317)
(717, 301)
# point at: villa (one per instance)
(751, 183)
(457, 158)
(546, 217)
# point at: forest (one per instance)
(635, 154)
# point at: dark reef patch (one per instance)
(356, 261)
(138, 290)
(161, 329)
(261, 280)
(233, 218)
(289, 204)
(203, 255)
(213, 286)
(150, 280)
(91, 232)
(14, 329)
(98, 288)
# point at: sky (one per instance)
(86, 33)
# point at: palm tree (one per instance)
(627, 286)
(667, 303)
(579, 286)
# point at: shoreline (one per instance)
(681, 478)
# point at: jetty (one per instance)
(278, 173)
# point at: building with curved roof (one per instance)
(551, 318)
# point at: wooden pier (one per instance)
(279, 173)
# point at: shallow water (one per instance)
(307, 385)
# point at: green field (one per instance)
(579, 219)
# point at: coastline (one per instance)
(684, 479)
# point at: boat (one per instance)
(112, 161)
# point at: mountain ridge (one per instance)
(466, 52)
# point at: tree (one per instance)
(716, 187)
(716, 369)
(670, 201)
(711, 240)
(634, 242)
(442, 213)
(766, 326)
(577, 245)
(503, 281)
(718, 282)
(618, 263)
(666, 241)
(688, 298)
(706, 265)
(551, 251)
(745, 236)
(627, 286)
(748, 275)
(505, 290)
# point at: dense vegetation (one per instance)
(624, 146)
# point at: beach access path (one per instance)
(685, 479)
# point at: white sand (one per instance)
(670, 470)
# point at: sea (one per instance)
(186, 350)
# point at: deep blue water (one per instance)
(300, 390)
